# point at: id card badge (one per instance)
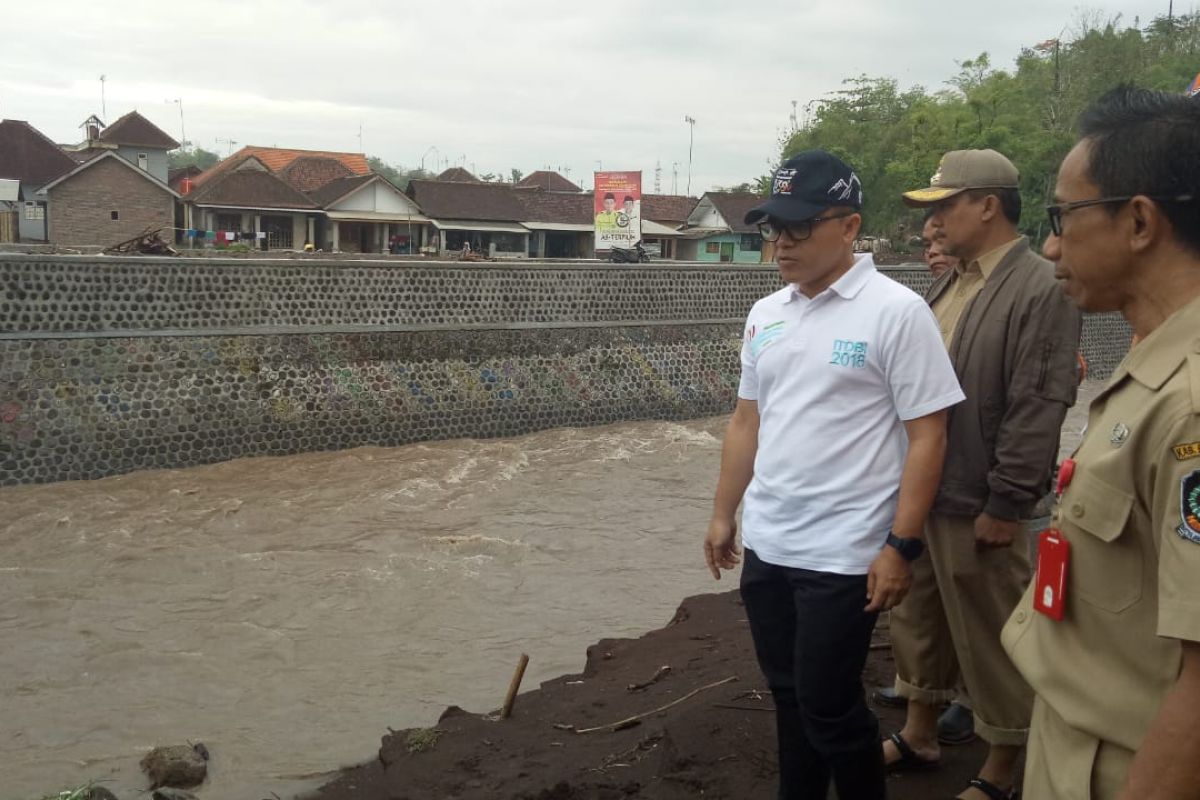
(1050, 582)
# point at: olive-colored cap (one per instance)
(961, 170)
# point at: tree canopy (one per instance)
(894, 138)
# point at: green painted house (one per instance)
(715, 231)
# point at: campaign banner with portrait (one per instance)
(618, 209)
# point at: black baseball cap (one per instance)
(807, 184)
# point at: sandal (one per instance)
(909, 760)
(993, 791)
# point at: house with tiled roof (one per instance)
(715, 230)
(105, 201)
(279, 159)
(561, 224)
(30, 158)
(457, 175)
(331, 201)
(547, 181)
(483, 216)
(133, 137)
(369, 214)
(238, 204)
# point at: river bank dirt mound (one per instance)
(717, 740)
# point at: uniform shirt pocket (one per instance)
(1106, 558)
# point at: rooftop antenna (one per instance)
(658, 176)
(675, 177)
(360, 147)
(691, 121)
(103, 107)
(229, 142)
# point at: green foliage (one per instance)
(189, 156)
(396, 174)
(894, 138)
(421, 739)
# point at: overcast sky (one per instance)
(498, 84)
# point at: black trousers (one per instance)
(811, 637)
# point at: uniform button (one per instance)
(1077, 510)
(1022, 616)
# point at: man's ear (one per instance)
(1146, 223)
(990, 208)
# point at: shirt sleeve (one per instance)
(1176, 519)
(919, 373)
(748, 386)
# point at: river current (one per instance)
(286, 611)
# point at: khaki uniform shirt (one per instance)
(964, 286)
(1132, 516)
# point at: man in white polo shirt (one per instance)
(836, 443)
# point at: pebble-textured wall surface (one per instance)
(111, 365)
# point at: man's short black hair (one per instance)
(1148, 142)
(1010, 201)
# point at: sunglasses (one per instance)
(1055, 212)
(773, 228)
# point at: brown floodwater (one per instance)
(286, 611)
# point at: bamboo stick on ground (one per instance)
(514, 686)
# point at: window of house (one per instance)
(229, 222)
(712, 247)
(751, 242)
(116, 215)
(143, 162)
(31, 210)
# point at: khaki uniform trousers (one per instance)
(1067, 764)
(948, 627)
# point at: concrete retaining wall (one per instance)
(109, 365)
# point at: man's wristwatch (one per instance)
(910, 549)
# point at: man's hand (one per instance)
(991, 533)
(888, 580)
(720, 546)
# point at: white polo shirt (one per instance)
(835, 377)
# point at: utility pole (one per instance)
(795, 122)
(182, 130)
(103, 107)
(691, 121)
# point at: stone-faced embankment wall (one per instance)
(109, 365)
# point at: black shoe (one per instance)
(956, 725)
(886, 696)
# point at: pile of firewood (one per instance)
(147, 243)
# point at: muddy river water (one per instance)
(286, 611)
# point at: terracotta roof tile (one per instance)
(497, 202)
(336, 190)
(572, 208)
(309, 173)
(667, 207)
(249, 188)
(134, 129)
(458, 175)
(28, 156)
(547, 180)
(276, 159)
(733, 207)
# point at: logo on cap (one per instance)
(844, 189)
(783, 182)
(936, 180)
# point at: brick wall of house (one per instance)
(81, 208)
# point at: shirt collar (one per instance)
(988, 262)
(847, 286)
(1169, 344)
